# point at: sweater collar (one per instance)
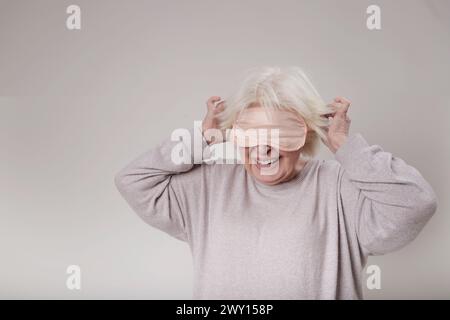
(284, 185)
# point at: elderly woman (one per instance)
(281, 224)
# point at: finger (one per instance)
(342, 113)
(332, 107)
(220, 106)
(213, 98)
(210, 103)
(342, 108)
(217, 102)
(343, 101)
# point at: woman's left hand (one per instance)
(338, 128)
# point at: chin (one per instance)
(271, 179)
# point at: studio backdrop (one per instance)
(87, 86)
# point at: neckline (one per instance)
(284, 185)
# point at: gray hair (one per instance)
(274, 87)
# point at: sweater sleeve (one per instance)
(388, 200)
(147, 183)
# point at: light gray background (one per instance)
(76, 106)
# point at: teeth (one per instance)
(266, 162)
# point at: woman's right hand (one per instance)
(210, 123)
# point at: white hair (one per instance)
(274, 87)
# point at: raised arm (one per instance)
(149, 185)
(388, 200)
(146, 184)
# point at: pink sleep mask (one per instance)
(255, 126)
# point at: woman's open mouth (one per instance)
(266, 163)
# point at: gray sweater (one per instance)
(308, 238)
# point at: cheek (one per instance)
(285, 164)
(288, 161)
